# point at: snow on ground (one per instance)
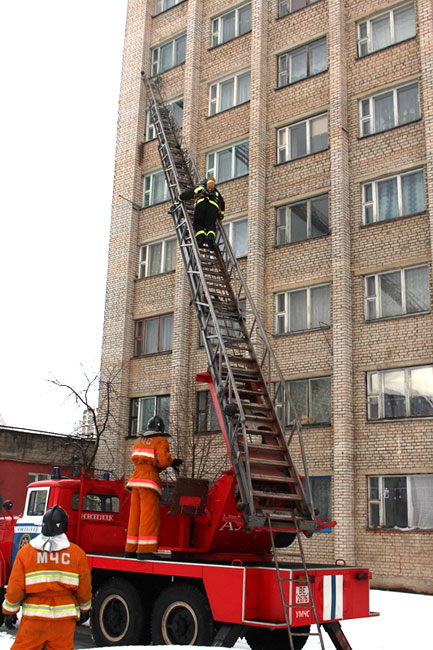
(404, 622)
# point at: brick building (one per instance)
(317, 119)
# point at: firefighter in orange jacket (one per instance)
(50, 580)
(150, 455)
(208, 207)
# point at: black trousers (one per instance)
(205, 216)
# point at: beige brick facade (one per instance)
(352, 447)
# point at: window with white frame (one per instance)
(386, 28)
(400, 393)
(176, 107)
(393, 197)
(237, 233)
(163, 5)
(153, 335)
(302, 138)
(33, 477)
(155, 189)
(311, 401)
(207, 421)
(388, 109)
(321, 490)
(286, 7)
(302, 309)
(169, 54)
(143, 408)
(231, 24)
(397, 293)
(156, 258)
(401, 501)
(229, 92)
(230, 162)
(303, 62)
(302, 220)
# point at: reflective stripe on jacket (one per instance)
(49, 584)
(150, 456)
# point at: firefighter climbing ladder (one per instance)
(241, 362)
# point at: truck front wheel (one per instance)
(117, 615)
(181, 616)
(260, 638)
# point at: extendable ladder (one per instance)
(242, 366)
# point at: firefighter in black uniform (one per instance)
(208, 207)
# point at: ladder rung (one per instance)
(277, 496)
(276, 479)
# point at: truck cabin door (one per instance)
(30, 524)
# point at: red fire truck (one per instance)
(212, 581)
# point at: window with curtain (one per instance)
(231, 24)
(391, 108)
(400, 393)
(321, 490)
(302, 309)
(158, 257)
(302, 138)
(303, 62)
(169, 54)
(144, 408)
(155, 189)
(207, 421)
(311, 401)
(153, 335)
(228, 163)
(286, 7)
(237, 233)
(302, 220)
(397, 293)
(401, 502)
(229, 92)
(390, 27)
(393, 197)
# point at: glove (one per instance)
(10, 621)
(84, 616)
(177, 462)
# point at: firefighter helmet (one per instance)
(155, 427)
(54, 522)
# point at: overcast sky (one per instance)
(60, 65)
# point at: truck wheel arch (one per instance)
(181, 615)
(117, 615)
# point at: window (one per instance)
(176, 107)
(156, 258)
(302, 138)
(322, 495)
(168, 54)
(231, 24)
(302, 220)
(228, 163)
(286, 7)
(229, 92)
(33, 478)
(302, 309)
(396, 293)
(143, 408)
(311, 399)
(228, 326)
(401, 502)
(400, 393)
(153, 335)
(389, 109)
(96, 502)
(207, 421)
(237, 233)
(155, 189)
(301, 63)
(394, 196)
(163, 5)
(37, 503)
(381, 31)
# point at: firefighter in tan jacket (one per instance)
(150, 455)
(50, 580)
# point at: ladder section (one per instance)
(242, 365)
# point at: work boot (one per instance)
(211, 239)
(145, 556)
(201, 238)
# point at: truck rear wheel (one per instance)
(182, 616)
(260, 638)
(117, 615)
